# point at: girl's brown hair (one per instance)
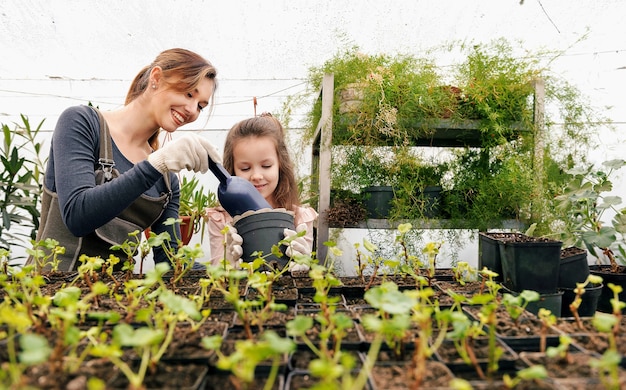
(265, 125)
(182, 71)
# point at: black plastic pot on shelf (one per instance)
(378, 201)
(531, 263)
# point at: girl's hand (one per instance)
(234, 250)
(298, 244)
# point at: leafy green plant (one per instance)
(412, 174)
(379, 97)
(561, 351)
(249, 353)
(21, 183)
(359, 167)
(583, 203)
(497, 87)
(194, 200)
(463, 272)
(516, 304)
(525, 374)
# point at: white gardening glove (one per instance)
(234, 250)
(298, 246)
(191, 152)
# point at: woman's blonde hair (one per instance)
(182, 71)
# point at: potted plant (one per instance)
(378, 98)
(419, 188)
(366, 171)
(584, 201)
(194, 200)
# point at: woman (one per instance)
(85, 206)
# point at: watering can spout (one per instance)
(236, 195)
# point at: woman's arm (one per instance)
(75, 147)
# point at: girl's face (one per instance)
(174, 108)
(255, 159)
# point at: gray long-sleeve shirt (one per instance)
(86, 206)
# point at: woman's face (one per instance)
(255, 159)
(175, 109)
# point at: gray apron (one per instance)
(140, 215)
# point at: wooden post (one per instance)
(322, 143)
(539, 146)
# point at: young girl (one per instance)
(255, 149)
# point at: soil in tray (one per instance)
(447, 353)
(41, 377)
(224, 381)
(527, 325)
(277, 319)
(297, 380)
(589, 338)
(168, 376)
(288, 296)
(397, 376)
(186, 346)
(469, 289)
(300, 359)
(572, 370)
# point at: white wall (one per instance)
(63, 52)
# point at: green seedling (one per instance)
(516, 304)
(547, 320)
(579, 291)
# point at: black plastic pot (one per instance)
(377, 201)
(619, 278)
(489, 251)
(589, 301)
(262, 230)
(531, 263)
(551, 301)
(574, 267)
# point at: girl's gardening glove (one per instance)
(297, 246)
(234, 251)
(191, 152)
